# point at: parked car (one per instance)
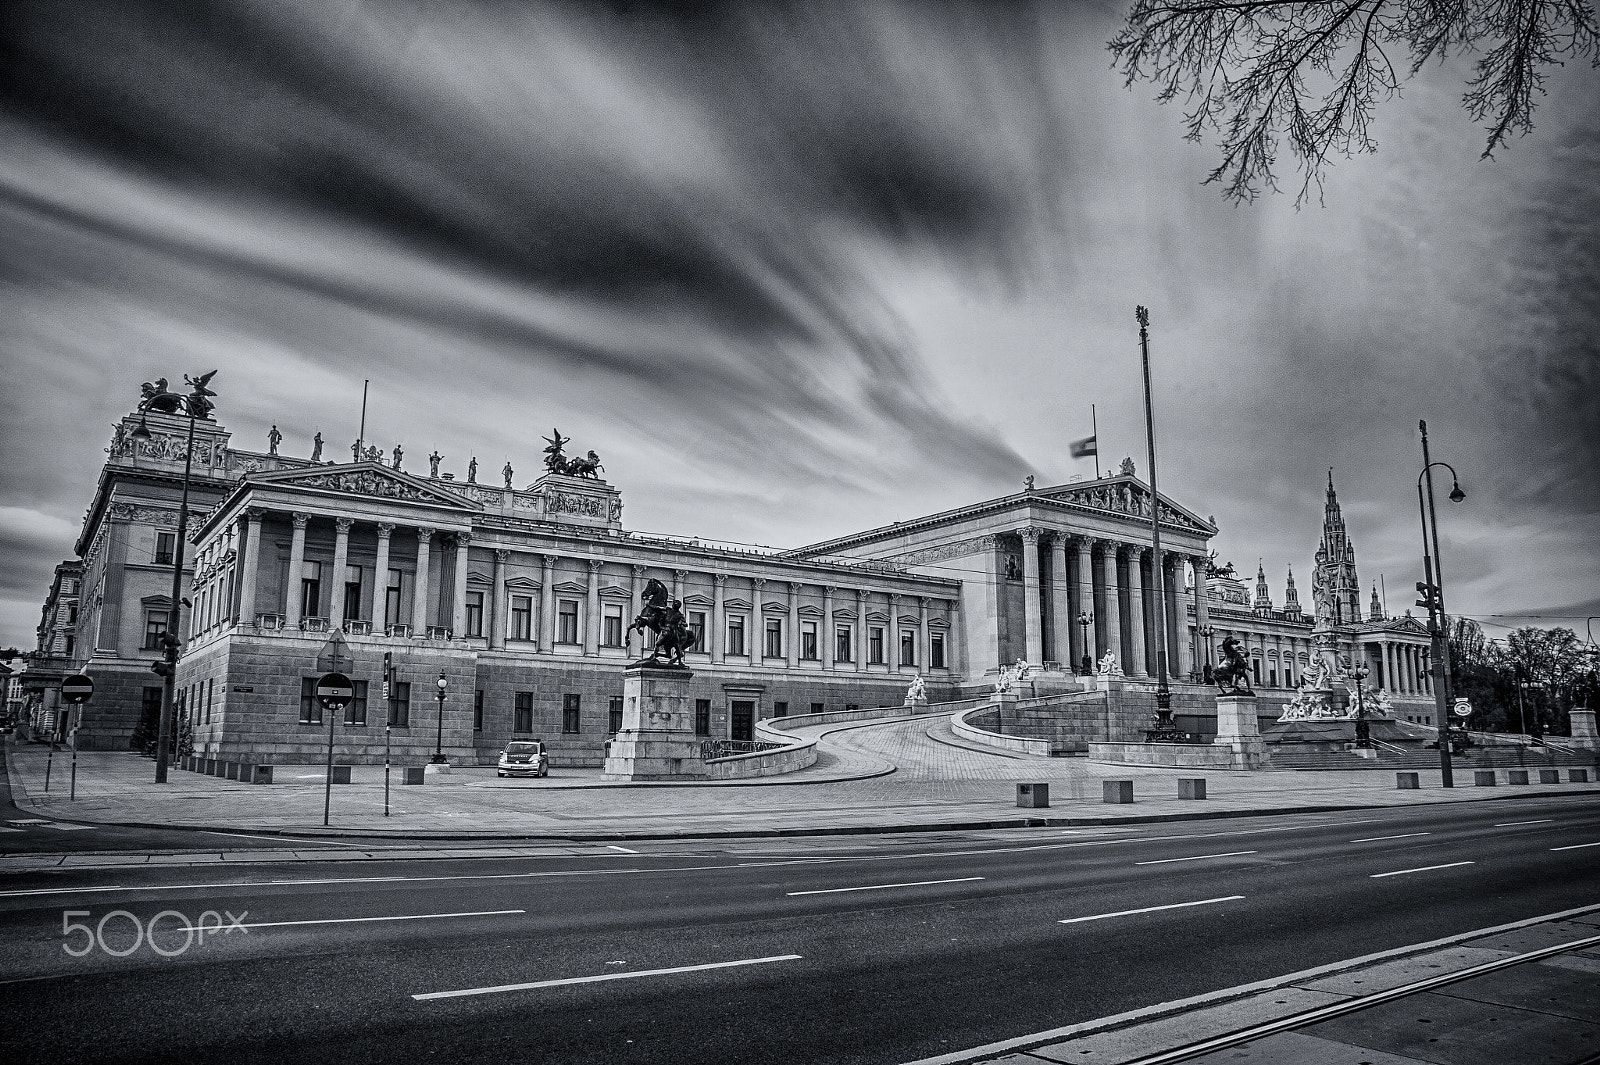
(524, 758)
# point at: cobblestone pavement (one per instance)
(877, 776)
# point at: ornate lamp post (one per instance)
(1205, 632)
(1432, 590)
(197, 404)
(438, 746)
(1363, 732)
(1086, 619)
(1529, 725)
(1165, 731)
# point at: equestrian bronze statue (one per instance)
(1233, 674)
(663, 617)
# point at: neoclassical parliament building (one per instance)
(519, 600)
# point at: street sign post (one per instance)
(388, 668)
(335, 692)
(77, 689)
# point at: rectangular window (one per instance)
(697, 625)
(477, 710)
(155, 626)
(356, 712)
(72, 614)
(702, 717)
(908, 647)
(736, 635)
(310, 709)
(936, 650)
(1272, 678)
(570, 719)
(843, 645)
(400, 704)
(567, 621)
(780, 709)
(816, 708)
(311, 590)
(165, 542)
(1255, 669)
(474, 614)
(211, 690)
(71, 643)
(875, 645)
(391, 598)
(522, 718)
(774, 638)
(611, 632)
(521, 617)
(808, 640)
(615, 714)
(352, 593)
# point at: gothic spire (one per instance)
(1291, 598)
(1375, 613)
(1263, 600)
(1336, 562)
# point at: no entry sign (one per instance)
(334, 691)
(77, 688)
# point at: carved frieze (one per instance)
(942, 552)
(1126, 498)
(369, 482)
(586, 506)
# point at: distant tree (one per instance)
(9, 654)
(1257, 71)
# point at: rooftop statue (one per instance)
(433, 465)
(506, 473)
(588, 466)
(200, 394)
(274, 438)
(472, 471)
(399, 453)
(316, 447)
(1126, 469)
(554, 460)
(669, 631)
(1233, 673)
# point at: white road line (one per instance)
(880, 887)
(368, 920)
(293, 839)
(1575, 847)
(624, 850)
(1403, 835)
(1513, 824)
(55, 891)
(1194, 858)
(1149, 909)
(1423, 869)
(602, 977)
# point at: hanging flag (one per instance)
(1082, 449)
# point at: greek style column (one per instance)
(248, 568)
(719, 618)
(636, 590)
(458, 610)
(858, 635)
(341, 560)
(378, 599)
(497, 619)
(1111, 626)
(677, 583)
(924, 658)
(892, 636)
(791, 642)
(1031, 601)
(825, 630)
(1088, 638)
(1179, 627)
(1202, 612)
(297, 559)
(756, 631)
(1138, 665)
(591, 611)
(1060, 602)
(547, 603)
(955, 654)
(419, 594)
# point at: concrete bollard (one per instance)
(414, 774)
(1191, 787)
(1407, 781)
(1549, 776)
(341, 774)
(261, 774)
(1516, 776)
(1116, 791)
(211, 767)
(231, 770)
(1033, 796)
(1483, 778)
(1578, 776)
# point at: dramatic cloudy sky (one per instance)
(791, 271)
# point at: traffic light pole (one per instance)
(170, 640)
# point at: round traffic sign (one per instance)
(1463, 709)
(77, 688)
(334, 691)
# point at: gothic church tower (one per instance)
(1336, 563)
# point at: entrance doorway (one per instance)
(744, 720)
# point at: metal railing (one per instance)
(710, 749)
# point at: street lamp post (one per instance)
(1205, 632)
(438, 747)
(197, 404)
(1363, 731)
(1086, 619)
(1530, 725)
(1165, 731)
(1432, 590)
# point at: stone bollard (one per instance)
(1483, 778)
(1033, 796)
(1191, 787)
(262, 775)
(1516, 776)
(1116, 791)
(231, 769)
(1549, 776)
(1407, 781)
(341, 774)
(414, 774)
(1578, 776)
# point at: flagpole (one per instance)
(1094, 423)
(361, 437)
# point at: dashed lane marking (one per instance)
(1513, 824)
(1149, 909)
(1575, 847)
(1194, 858)
(881, 887)
(1403, 835)
(1422, 869)
(369, 920)
(602, 977)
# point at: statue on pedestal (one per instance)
(670, 633)
(433, 465)
(554, 460)
(506, 473)
(1108, 666)
(917, 694)
(472, 471)
(355, 451)
(1233, 673)
(588, 466)
(274, 438)
(316, 447)
(399, 453)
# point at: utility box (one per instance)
(1549, 776)
(1407, 781)
(1516, 776)
(1033, 796)
(261, 774)
(414, 774)
(1116, 791)
(1191, 787)
(1483, 778)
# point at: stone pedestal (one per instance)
(1238, 730)
(1583, 729)
(434, 770)
(657, 740)
(1364, 752)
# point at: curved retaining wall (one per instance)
(794, 754)
(968, 731)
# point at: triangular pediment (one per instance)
(698, 600)
(1127, 496)
(369, 479)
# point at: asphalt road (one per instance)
(859, 950)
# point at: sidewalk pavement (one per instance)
(1535, 1000)
(894, 776)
